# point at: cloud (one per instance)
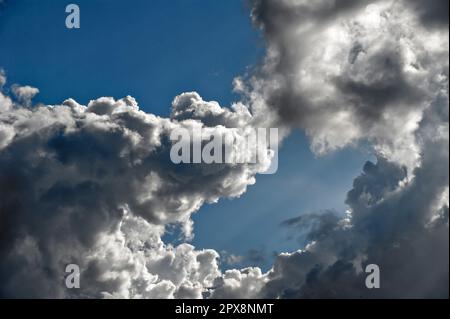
(403, 229)
(432, 13)
(2, 78)
(24, 93)
(348, 71)
(395, 221)
(314, 226)
(239, 284)
(94, 185)
(345, 72)
(73, 176)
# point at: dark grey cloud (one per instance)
(313, 226)
(432, 13)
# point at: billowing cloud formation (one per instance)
(350, 70)
(71, 174)
(94, 185)
(399, 224)
(346, 71)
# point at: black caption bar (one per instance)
(225, 309)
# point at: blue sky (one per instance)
(151, 50)
(154, 50)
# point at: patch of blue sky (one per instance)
(154, 50)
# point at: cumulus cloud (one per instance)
(71, 174)
(346, 71)
(25, 93)
(94, 185)
(401, 225)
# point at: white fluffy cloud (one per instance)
(73, 177)
(346, 71)
(24, 93)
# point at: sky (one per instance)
(154, 51)
(357, 89)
